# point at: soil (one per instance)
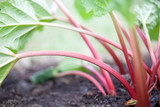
(69, 91)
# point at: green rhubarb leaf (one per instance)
(41, 8)
(98, 7)
(81, 10)
(18, 19)
(6, 63)
(102, 7)
(148, 15)
(125, 7)
(156, 2)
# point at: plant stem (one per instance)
(123, 30)
(97, 74)
(111, 52)
(99, 37)
(93, 34)
(155, 70)
(158, 47)
(91, 47)
(85, 58)
(85, 75)
(129, 52)
(151, 51)
(141, 34)
(140, 74)
(123, 47)
(118, 62)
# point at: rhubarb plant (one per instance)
(20, 18)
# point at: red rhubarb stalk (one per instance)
(111, 53)
(142, 35)
(123, 47)
(85, 75)
(158, 47)
(140, 74)
(121, 68)
(97, 74)
(155, 70)
(91, 47)
(150, 48)
(123, 30)
(93, 34)
(85, 58)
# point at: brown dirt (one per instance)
(70, 91)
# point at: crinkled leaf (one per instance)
(125, 8)
(81, 10)
(6, 63)
(148, 14)
(156, 2)
(102, 7)
(98, 7)
(18, 19)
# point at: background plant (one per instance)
(20, 18)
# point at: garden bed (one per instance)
(69, 91)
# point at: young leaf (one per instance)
(102, 7)
(43, 76)
(81, 10)
(18, 19)
(6, 63)
(148, 14)
(156, 2)
(125, 8)
(98, 7)
(68, 64)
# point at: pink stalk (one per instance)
(85, 58)
(142, 35)
(123, 47)
(97, 74)
(147, 69)
(91, 47)
(111, 52)
(85, 75)
(152, 87)
(158, 47)
(100, 38)
(123, 30)
(140, 74)
(150, 48)
(155, 70)
(121, 68)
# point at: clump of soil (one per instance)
(70, 91)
